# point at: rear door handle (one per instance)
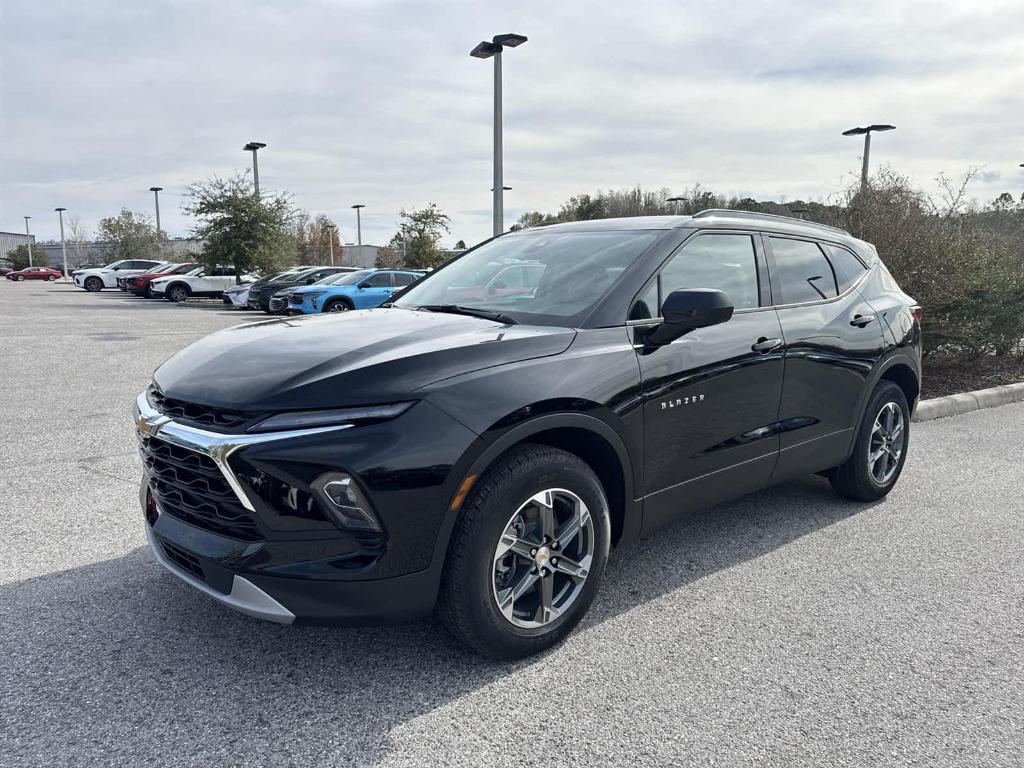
(862, 321)
(765, 345)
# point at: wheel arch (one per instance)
(342, 298)
(593, 441)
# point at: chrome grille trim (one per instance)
(218, 446)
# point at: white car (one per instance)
(106, 277)
(199, 282)
(238, 296)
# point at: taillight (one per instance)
(917, 312)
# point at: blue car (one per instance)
(365, 289)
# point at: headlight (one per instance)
(345, 503)
(330, 417)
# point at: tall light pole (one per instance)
(63, 248)
(867, 147)
(487, 50)
(29, 238)
(156, 200)
(254, 147)
(359, 223)
(675, 203)
(329, 229)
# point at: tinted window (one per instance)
(802, 271)
(848, 268)
(380, 280)
(724, 262)
(646, 305)
(404, 278)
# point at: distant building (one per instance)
(11, 240)
(359, 255)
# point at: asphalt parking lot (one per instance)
(787, 628)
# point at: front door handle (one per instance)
(765, 345)
(862, 321)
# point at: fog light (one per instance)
(345, 503)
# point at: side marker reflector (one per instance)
(463, 490)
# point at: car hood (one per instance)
(356, 358)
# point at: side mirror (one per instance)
(685, 311)
(364, 285)
(310, 281)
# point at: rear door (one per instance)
(711, 397)
(832, 342)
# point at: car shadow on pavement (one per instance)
(119, 661)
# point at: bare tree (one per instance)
(77, 237)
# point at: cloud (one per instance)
(379, 102)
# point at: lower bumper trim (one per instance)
(244, 597)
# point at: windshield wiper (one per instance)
(458, 309)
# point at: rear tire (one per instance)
(880, 450)
(93, 284)
(553, 582)
(337, 305)
(147, 292)
(177, 293)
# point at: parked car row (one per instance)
(299, 290)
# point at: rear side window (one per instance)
(848, 268)
(404, 278)
(725, 262)
(802, 272)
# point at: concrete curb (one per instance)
(965, 402)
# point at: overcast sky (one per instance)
(379, 102)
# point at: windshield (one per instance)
(163, 270)
(338, 278)
(539, 277)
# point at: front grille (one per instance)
(190, 486)
(295, 298)
(183, 559)
(277, 302)
(201, 415)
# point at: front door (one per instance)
(378, 287)
(711, 397)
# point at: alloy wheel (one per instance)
(338, 306)
(543, 558)
(885, 448)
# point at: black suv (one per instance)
(483, 454)
(261, 292)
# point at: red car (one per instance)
(34, 273)
(139, 285)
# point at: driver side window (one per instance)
(724, 261)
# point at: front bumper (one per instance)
(287, 573)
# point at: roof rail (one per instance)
(755, 215)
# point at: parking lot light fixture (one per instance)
(492, 50)
(63, 247)
(29, 238)
(254, 147)
(801, 213)
(866, 131)
(156, 201)
(675, 203)
(359, 223)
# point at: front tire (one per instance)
(51, 278)
(21, 278)
(93, 284)
(337, 305)
(527, 554)
(177, 293)
(880, 450)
